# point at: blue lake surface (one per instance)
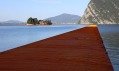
(15, 36)
(110, 36)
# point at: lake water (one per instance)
(110, 36)
(14, 36)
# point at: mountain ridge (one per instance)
(12, 23)
(101, 12)
(59, 19)
(64, 19)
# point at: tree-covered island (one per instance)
(35, 21)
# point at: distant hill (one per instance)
(12, 23)
(65, 19)
(101, 12)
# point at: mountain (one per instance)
(12, 23)
(65, 19)
(101, 12)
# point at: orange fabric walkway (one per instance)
(79, 50)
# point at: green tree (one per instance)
(30, 20)
(35, 21)
(48, 22)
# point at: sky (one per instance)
(23, 9)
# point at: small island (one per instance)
(34, 21)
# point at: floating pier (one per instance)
(78, 50)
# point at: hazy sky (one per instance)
(23, 9)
